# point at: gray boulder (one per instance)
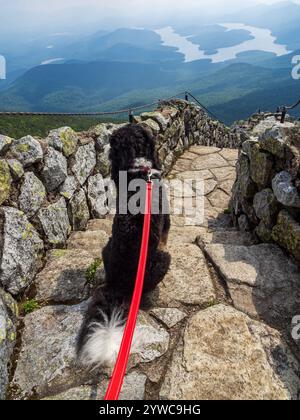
(157, 117)
(67, 277)
(5, 143)
(8, 320)
(225, 355)
(284, 190)
(16, 169)
(79, 211)
(64, 140)
(5, 181)
(32, 194)
(55, 223)
(85, 162)
(55, 170)
(22, 251)
(103, 162)
(27, 150)
(47, 357)
(68, 188)
(266, 206)
(273, 141)
(97, 196)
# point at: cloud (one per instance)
(17, 15)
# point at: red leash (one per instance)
(116, 382)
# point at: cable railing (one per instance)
(284, 109)
(129, 111)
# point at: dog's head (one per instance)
(132, 147)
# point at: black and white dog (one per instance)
(132, 155)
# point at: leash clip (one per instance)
(149, 175)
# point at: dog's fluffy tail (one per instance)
(100, 339)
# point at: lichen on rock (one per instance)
(27, 150)
(85, 162)
(32, 194)
(55, 223)
(22, 251)
(64, 140)
(287, 233)
(5, 181)
(16, 169)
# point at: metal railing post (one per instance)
(130, 115)
(283, 114)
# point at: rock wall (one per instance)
(266, 195)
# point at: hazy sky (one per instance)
(29, 14)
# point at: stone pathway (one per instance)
(217, 326)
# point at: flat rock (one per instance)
(209, 162)
(133, 389)
(55, 170)
(223, 236)
(219, 199)
(64, 278)
(183, 165)
(46, 362)
(262, 281)
(55, 222)
(22, 251)
(204, 150)
(100, 224)
(85, 162)
(194, 175)
(186, 234)
(225, 355)
(27, 150)
(91, 241)
(8, 323)
(223, 174)
(153, 340)
(229, 154)
(188, 280)
(32, 194)
(169, 316)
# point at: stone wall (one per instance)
(266, 195)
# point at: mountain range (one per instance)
(127, 67)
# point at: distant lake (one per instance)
(263, 40)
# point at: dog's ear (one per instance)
(129, 142)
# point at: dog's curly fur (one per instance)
(101, 332)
